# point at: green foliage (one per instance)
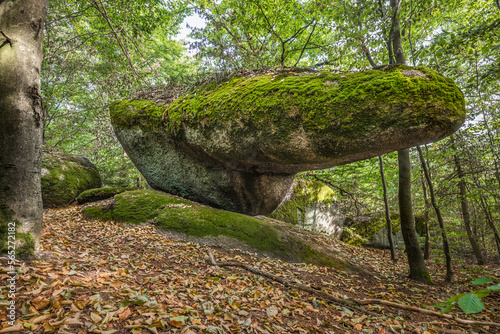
(470, 302)
(97, 52)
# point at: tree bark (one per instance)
(464, 204)
(21, 123)
(418, 269)
(387, 214)
(446, 245)
(427, 244)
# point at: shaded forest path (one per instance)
(107, 277)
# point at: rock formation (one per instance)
(237, 144)
(64, 177)
(313, 205)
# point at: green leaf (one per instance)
(470, 303)
(447, 308)
(449, 301)
(481, 293)
(494, 287)
(482, 280)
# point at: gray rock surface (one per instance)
(237, 145)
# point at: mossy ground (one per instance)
(97, 194)
(67, 177)
(346, 104)
(191, 219)
(24, 242)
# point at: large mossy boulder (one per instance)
(64, 177)
(195, 222)
(313, 206)
(238, 143)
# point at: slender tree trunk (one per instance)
(387, 213)
(489, 219)
(418, 269)
(446, 245)
(464, 204)
(21, 123)
(427, 244)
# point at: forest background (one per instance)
(98, 51)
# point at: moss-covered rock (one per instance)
(371, 230)
(203, 223)
(98, 194)
(65, 176)
(312, 206)
(239, 143)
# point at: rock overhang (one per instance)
(286, 122)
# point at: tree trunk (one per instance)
(465, 206)
(418, 269)
(446, 245)
(387, 214)
(21, 123)
(427, 244)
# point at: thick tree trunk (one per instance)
(427, 244)
(446, 245)
(387, 214)
(464, 204)
(418, 269)
(21, 123)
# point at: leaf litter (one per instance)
(107, 277)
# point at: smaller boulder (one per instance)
(313, 206)
(98, 194)
(65, 176)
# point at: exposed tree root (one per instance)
(351, 304)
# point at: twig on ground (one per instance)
(347, 303)
(351, 304)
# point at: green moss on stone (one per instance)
(64, 177)
(305, 195)
(346, 105)
(24, 242)
(191, 219)
(360, 233)
(136, 207)
(97, 194)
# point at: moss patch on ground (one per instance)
(64, 177)
(97, 194)
(191, 219)
(346, 104)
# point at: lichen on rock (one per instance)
(65, 176)
(237, 144)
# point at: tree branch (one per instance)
(305, 45)
(349, 303)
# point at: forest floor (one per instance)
(107, 277)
